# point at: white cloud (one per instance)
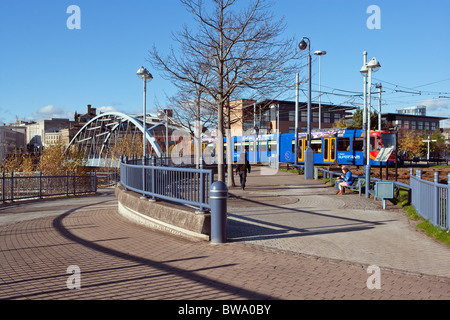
(51, 111)
(434, 105)
(106, 109)
(438, 108)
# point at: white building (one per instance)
(36, 131)
(11, 138)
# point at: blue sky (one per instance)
(48, 70)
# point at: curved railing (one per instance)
(182, 185)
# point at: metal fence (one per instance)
(330, 174)
(431, 199)
(182, 185)
(17, 186)
(107, 179)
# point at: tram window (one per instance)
(316, 145)
(343, 144)
(358, 144)
(372, 144)
(388, 140)
(263, 146)
(293, 146)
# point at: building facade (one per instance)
(277, 115)
(410, 122)
(36, 132)
(11, 139)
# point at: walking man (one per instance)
(242, 168)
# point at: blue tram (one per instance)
(341, 146)
(344, 146)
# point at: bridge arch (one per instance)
(100, 138)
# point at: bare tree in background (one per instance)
(238, 48)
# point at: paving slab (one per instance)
(306, 216)
(284, 249)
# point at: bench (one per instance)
(357, 186)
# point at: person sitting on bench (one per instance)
(345, 180)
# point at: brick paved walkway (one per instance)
(122, 260)
(306, 216)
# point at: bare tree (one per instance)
(238, 48)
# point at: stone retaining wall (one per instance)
(164, 216)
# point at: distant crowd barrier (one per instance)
(16, 186)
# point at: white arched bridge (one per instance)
(109, 135)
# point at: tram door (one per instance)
(329, 150)
(301, 149)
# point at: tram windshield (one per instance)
(388, 140)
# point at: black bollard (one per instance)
(218, 195)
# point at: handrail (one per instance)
(182, 185)
(16, 186)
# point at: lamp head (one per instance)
(374, 65)
(303, 45)
(144, 74)
(364, 70)
(320, 53)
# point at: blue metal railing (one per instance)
(331, 174)
(431, 199)
(177, 184)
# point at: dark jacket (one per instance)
(243, 165)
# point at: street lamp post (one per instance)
(372, 66)
(296, 120)
(147, 77)
(320, 53)
(309, 154)
(364, 72)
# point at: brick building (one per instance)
(246, 113)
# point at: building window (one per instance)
(336, 117)
(291, 129)
(291, 115)
(427, 125)
(304, 116)
(326, 117)
(406, 124)
(315, 117)
(433, 126)
(420, 125)
(413, 125)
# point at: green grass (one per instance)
(435, 232)
(431, 230)
(296, 171)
